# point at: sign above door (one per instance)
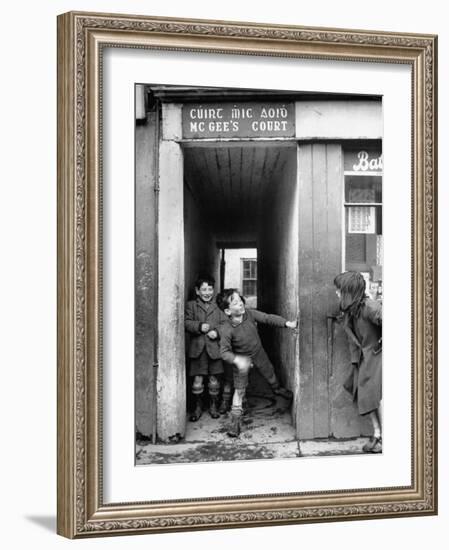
(238, 120)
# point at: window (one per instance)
(249, 277)
(363, 215)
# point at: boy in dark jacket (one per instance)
(241, 346)
(202, 318)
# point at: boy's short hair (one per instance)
(224, 297)
(204, 278)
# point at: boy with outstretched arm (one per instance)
(240, 345)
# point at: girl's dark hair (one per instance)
(224, 297)
(204, 278)
(352, 287)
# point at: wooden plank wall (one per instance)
(320, 216)
(278, 269)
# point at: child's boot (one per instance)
(236, 412)
(198, 410)
(225, 399)
(224, 405)
(282, 392)
(214, 389)
(197, 390)
(244, 405)
(213, 410)
(234, 425)
(277, 389)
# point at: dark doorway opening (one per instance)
(240, 225)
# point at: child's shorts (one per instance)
(204, 365)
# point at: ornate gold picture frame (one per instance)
(82, 40)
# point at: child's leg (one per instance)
(198, 369)
(379, 415)
(263, 363)
(227, 389)
(237, 401)
(197, 390)
(215, 374)
(240, 384)
(374, 445)
(375, 421)
(214, 390)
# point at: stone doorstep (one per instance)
(225, 450)
(332, 447)
(241, 449)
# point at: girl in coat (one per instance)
(362, 322)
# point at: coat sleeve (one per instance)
(374, 312)
(225, 344)
(216, 320)
(221, 324)
(267, 318)
(355, 351)
(192, 325)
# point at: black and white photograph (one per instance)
(258, 274)
(223, 238)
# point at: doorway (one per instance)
(240, 225)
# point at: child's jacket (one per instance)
(196, 314)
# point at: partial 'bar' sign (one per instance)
(238, 120)
(368, 159)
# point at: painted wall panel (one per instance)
(171, 383)
(146, 274)
(324, 119)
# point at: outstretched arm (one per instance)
(273, 320)
(267, 318)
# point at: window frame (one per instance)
(243, 278)
(347, 205)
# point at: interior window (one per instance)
(249, 277)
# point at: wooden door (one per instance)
(324, 409)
